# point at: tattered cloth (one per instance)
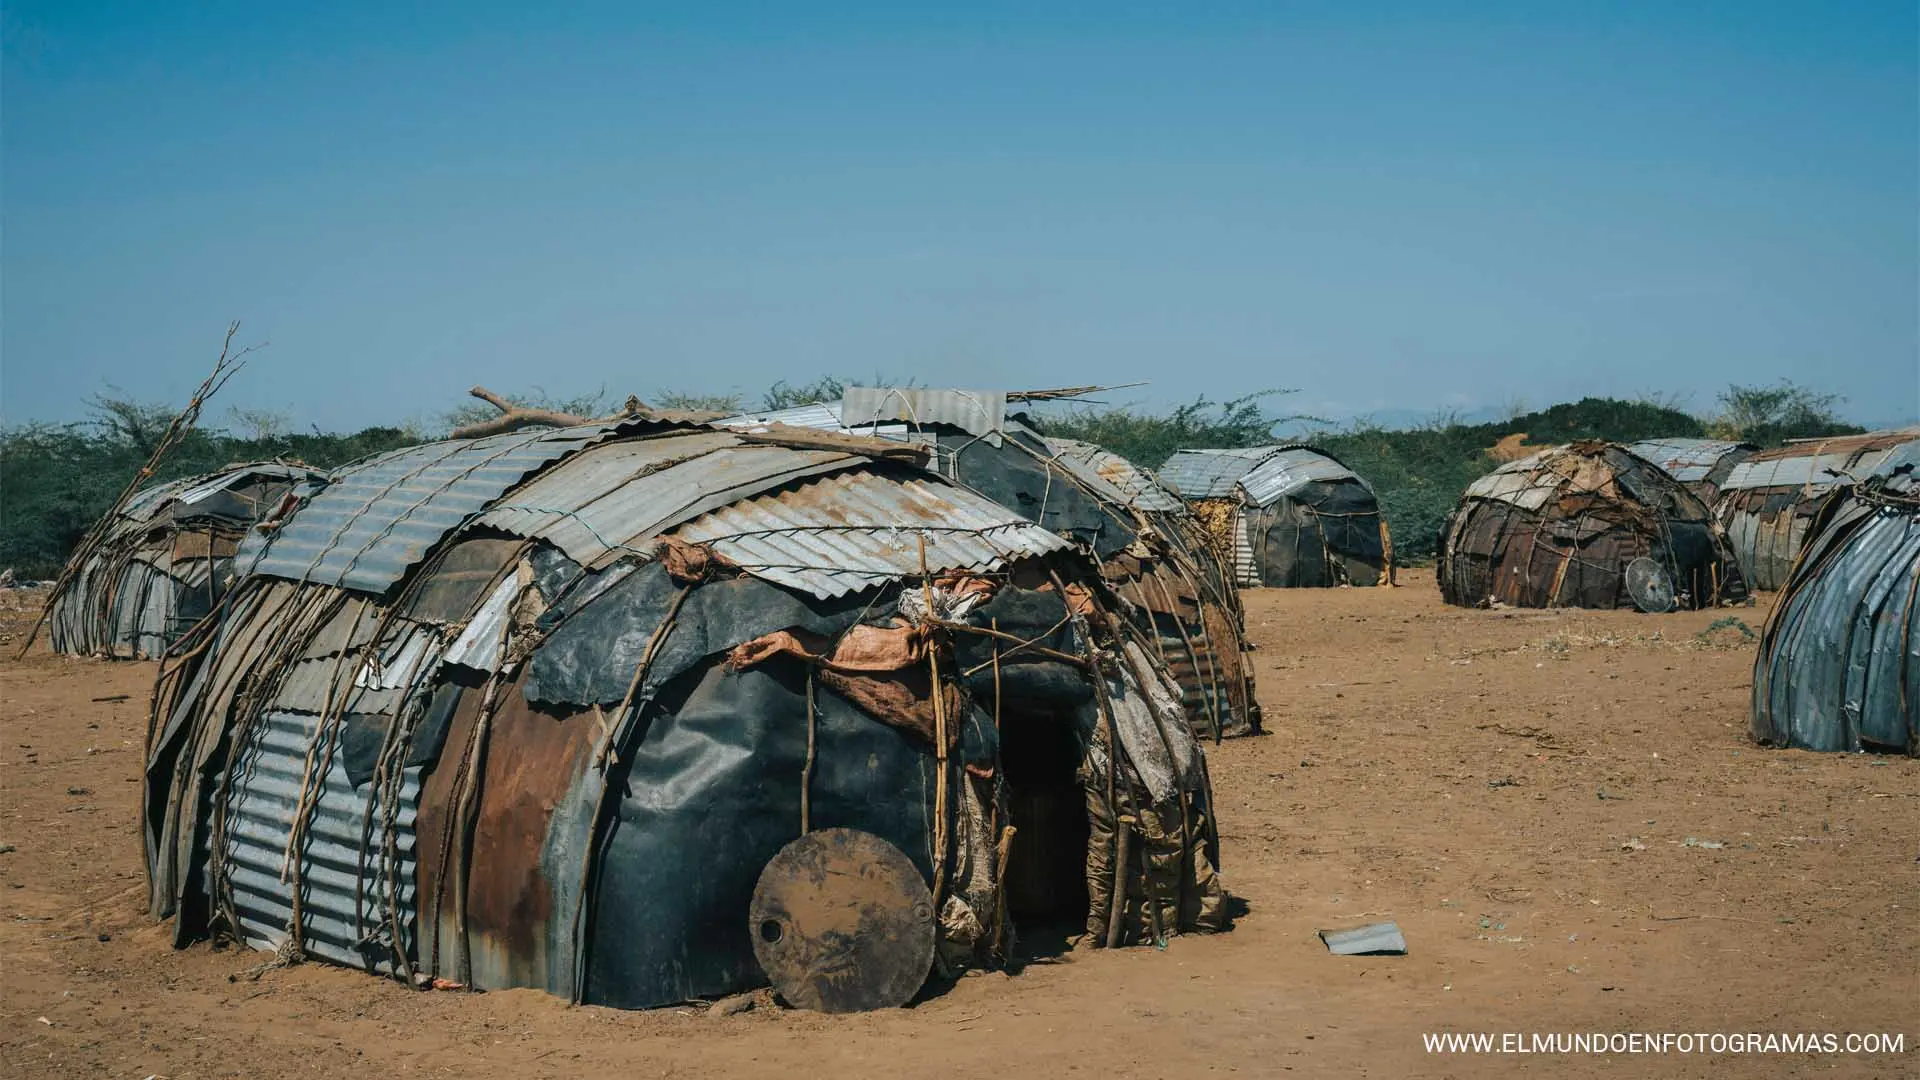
(882, 669)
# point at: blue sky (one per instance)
(1394, 208)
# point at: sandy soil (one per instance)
(1561, 810)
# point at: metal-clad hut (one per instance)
(1768, 501)
(1147, 547)
(538, 709)
(161, 564)
(1701, 464)
(1839, 662)
(1293, 516)
(1562, 528)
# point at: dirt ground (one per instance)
(1560, 809)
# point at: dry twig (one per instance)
(224, 368)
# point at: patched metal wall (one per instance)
(1839, 665)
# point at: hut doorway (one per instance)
(1046, 868)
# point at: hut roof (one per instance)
(1581, 468)
(1687, 460)
(1139, 487)
(828, 536)
(1266, 472)
(1817, 465)
(198, 496)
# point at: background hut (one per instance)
(160, 565)
(1701, 464)
(1768, 501)
(536, 710)
(1291, 516)
(1146, 544)
(1561, 528)
(1839, 662)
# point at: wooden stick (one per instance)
(1116, 911)
(1000, 892)
(513, 417)
(940, 831)
(224, 368)
(806, 771)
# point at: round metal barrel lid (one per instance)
(1649, 586)
(843, 922)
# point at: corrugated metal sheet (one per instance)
(824, 416)
(1523, 483)
(374, 522)
(976, 412)
(1820, 466)
(854, 530)
(1246, 571)
(147, 503)
(1687, 460)
(478, 646)
(237, 475)
(1211, 474)
(1839, 665)
(343, 890)
(1286, 472)
(1135, 484)
(612, 499)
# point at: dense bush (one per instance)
(55, 480)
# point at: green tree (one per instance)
(1773, 415)
(1149, 439)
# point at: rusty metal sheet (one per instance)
(1137, 487)
(1817, 465)
(524, 865)
(843, 922)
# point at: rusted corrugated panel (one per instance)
(1818, 465)
(1286, 472)
(854, 530)
(976, 412)
(615, 499)
(375, 522)
(1137, 485)
(343, 888)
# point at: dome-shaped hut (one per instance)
(1563, 527)
(1292, 516)
(161, 563)
(1768, 500)
(540, 709)
(1148, 547)
(1701, 464)
(1839, 661)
